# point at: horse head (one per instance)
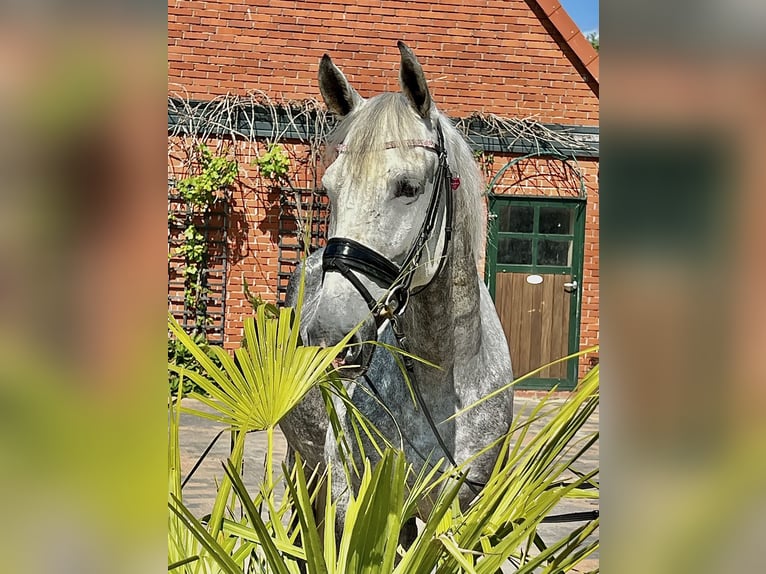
(390, 204)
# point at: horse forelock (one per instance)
(389, 118)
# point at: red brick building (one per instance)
(517, 76)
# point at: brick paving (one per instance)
(196, 433)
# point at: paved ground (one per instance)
(196, 433)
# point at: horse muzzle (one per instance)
(339, 313)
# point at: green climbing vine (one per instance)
(274, 164)
(214, 174)
(193, 250)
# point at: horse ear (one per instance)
(337, 93)
(413, 82)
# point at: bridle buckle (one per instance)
(396, 301)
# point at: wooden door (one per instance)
(534, 260)
(535, 318)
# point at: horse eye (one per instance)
(406, 189)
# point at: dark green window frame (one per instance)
(492, 267)
(576, 236)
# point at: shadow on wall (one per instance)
(541, 176)
(238, 230)
(271, 209)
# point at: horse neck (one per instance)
(443, 322)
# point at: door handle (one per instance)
(571, 287)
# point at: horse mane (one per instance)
(389, 117)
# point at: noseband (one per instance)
(349, 257)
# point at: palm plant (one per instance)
(268, 375)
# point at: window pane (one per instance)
(554, 252)
(513, 251)
(516, 218)
(556, 219)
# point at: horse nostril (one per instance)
(352, 355)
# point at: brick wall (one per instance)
(253, 224)
(589, 319)
(491, 56)
(257, 201)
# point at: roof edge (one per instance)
(571, 34)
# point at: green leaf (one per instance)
(221, 556)
(315, 560)
(373, 518)
(271, 552)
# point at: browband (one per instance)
(426, 144)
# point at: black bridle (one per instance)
(349, 257)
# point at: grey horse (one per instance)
(406, 232)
